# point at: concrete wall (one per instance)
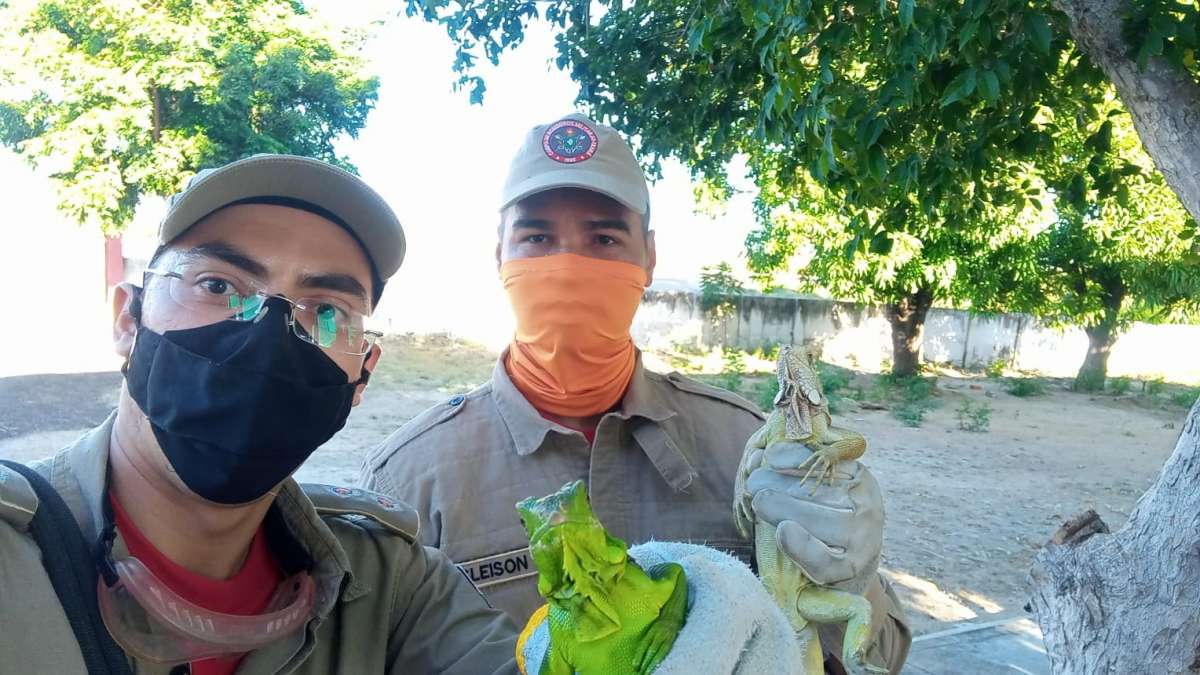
(861, 335)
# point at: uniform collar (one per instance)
(529, 429)
(80, 474)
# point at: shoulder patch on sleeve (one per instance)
(418, 425)
(693, 387)
(335, 500)
(18, 501)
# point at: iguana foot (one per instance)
(822, 465)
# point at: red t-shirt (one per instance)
(247, 592)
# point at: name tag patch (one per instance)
(493, 569)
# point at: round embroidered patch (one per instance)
(343, 491)
(569, 142)
(385, 502)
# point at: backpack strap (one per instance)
(68, 562)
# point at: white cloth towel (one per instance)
(733, 627)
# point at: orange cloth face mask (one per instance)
(572, 354)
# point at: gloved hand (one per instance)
(834, 532)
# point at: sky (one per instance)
(438, 160)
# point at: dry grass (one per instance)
(435, 362)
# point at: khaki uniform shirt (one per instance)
(384, 603)
(662, 467)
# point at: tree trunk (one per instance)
(907, 317)
(156, 131)
(1129, 602)
(1163, 99)
(1101, 337)
(1094, 371)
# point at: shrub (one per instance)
(1186, 397)
(976, 417)
(733, 369)
(1120, 385)
(995, 369)
(833, 379)
(768, 353)
(1154, 386)
(765, 394)
(911, 414)
(1025, 387)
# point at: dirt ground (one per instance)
(966, 511)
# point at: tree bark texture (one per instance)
(1163, 99)
(1129, 603)
(907, 317)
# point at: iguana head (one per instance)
(797, 369)
(578, 561)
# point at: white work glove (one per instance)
(834, 531)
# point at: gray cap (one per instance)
(336, 190)
(576, 152)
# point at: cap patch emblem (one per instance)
(569, 142)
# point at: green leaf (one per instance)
(906, 13)
(1038, 29)
(877, 162)
(1151, 47)
(852, 246)
(966, 33)
(960, 87)
(768, 106)
(881, 243)
(989, 86)
(827, 149)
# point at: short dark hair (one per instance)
(377, 283)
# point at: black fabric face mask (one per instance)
(237, 406)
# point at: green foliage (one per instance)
(1025, 387)
(889, 142)
(1154, 386)
(914, 389)
(1120, 385)
(719, 289)
(910, 414)
(768, 353)
(764, 394)
(1186, 397)
(912, 397)
(115, 100)
(974, 416)
(1120, 247)
(1167, 28)
(901, 150)
(834, 380)
(995, 369)
(1089, 380)
(733, 368)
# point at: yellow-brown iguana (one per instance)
(801, 415)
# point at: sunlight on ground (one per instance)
(926, 597)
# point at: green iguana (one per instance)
(802, 415)
(606, 615)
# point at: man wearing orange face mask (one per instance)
(569, 399)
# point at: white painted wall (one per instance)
(860, 335)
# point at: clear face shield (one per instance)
(149, 620)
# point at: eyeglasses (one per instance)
(222, 296)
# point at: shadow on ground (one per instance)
(38, 403)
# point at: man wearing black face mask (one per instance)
(246, 348)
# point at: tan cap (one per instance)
(576, 152)
(336, 190)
